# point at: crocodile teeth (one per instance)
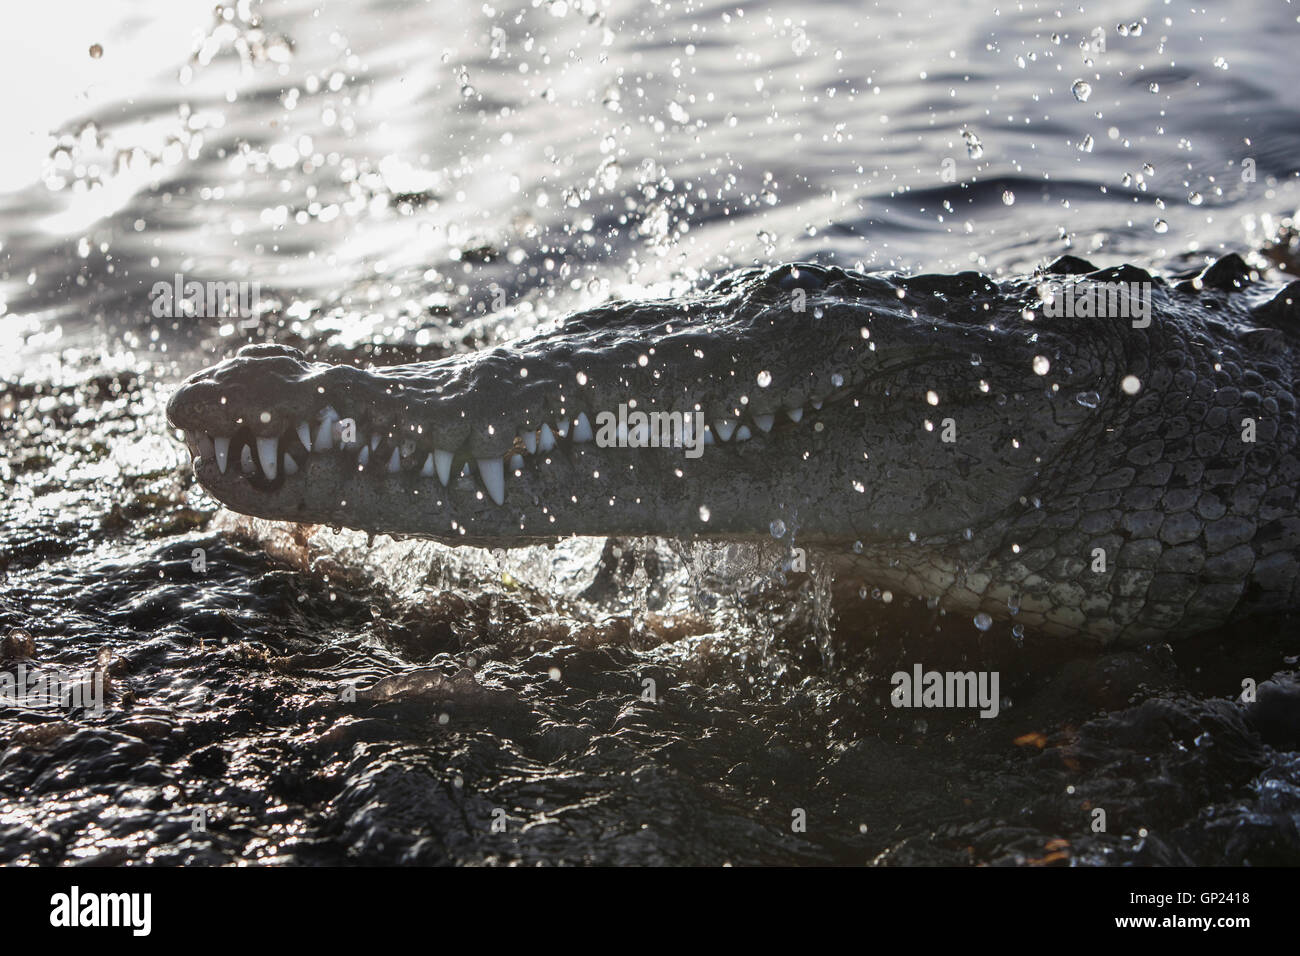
(205, 446)
(427, 470)
(546, 441)
(794, 413)
(394, 462)
(530, 441)
(268, 453)
(725, 428)
(245, 459)
(765, 422)
(708, 436)
(743, 433)
(363, 459)
(221, 451)
(374, 441)
(817, 406)
(516, 462)
(582, 428)
(442, 459)
(325, 431)
(493, 473)
(304, 435)
(290, 466)
(562, 428)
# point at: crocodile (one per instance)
(1108, 475)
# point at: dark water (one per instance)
(385, 171)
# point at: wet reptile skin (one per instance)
(939, 435)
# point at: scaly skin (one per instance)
(952, 440)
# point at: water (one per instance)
(406, 179)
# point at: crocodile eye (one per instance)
(803, 276)
(269, 350)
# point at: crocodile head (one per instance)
(843, 407)
(950, 434)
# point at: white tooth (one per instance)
(442, 459)
(427, 470)
(290, 466)
(374, 441)
(725, 427)
(530, 442)
(192, 440)
(394, 462)
(546, 439)
(516, 462)
(363, 459)
(493, 473)
(764, 422)
(465, 472)
(268, 450)
(794, 413)
(582, 428)
(221, 451)
(708, 435)
(205, 446)
(743, 433)
(562, 429)
(304, 435)
(245, 460)
(325, 430)
(817, 406)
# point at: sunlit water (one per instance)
(403, 179)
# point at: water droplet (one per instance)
(1008, 198)
(582, 378)
(764, 378)
(96, 51)
(1088, 399)
(1081, 89)
(704, 512)
(1131, 385)
(982, 621)
(1160, 226)
(1041, 365)
(1195, 198)
(777, 528)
